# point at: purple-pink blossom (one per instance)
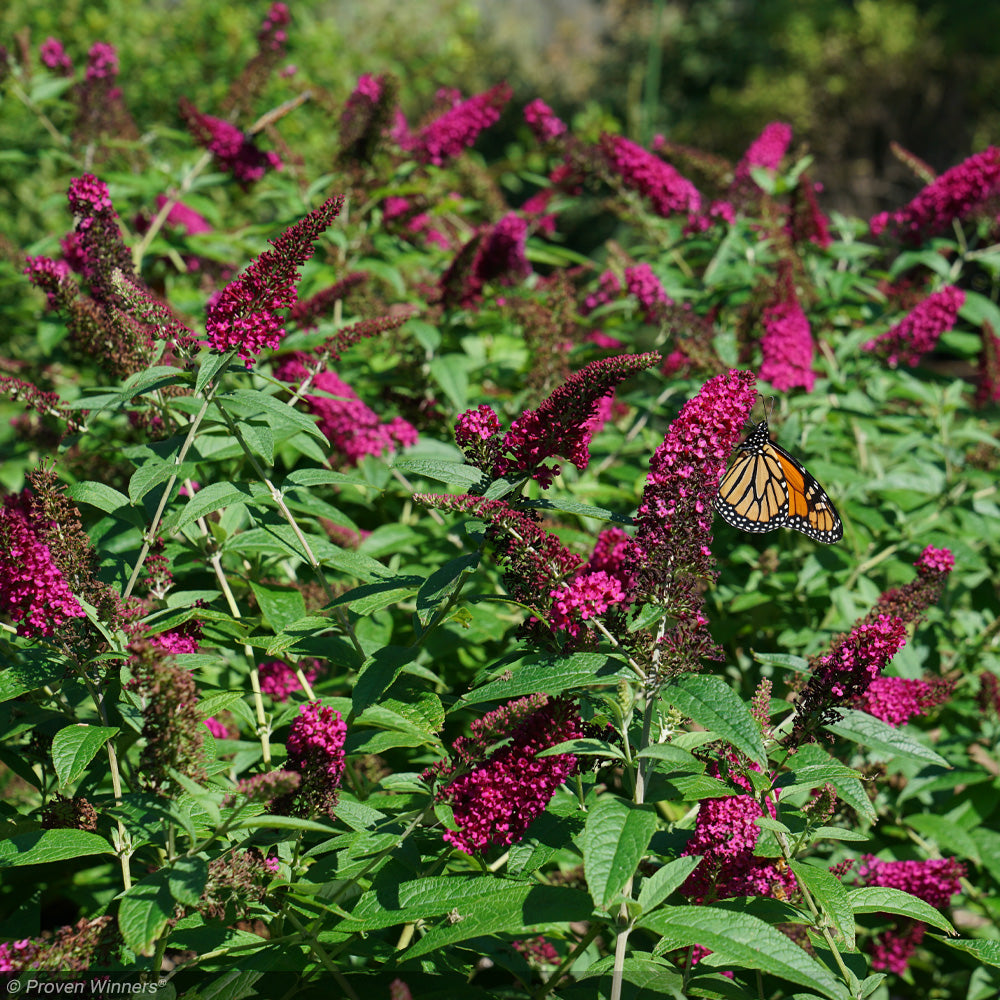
(949, 198)
(588, 596)
(278, 680)
(543, 121)
(896, 700)
(352, 427)
(315, 748)
(501, 256)
(767, 150)
(644, 285)
(787, 343)
(933, 560)
(495, 796)
(184, 217)
(609, 288)
(33, 590)
(235, 152)
(272, 35)
(55, 56)
(449, 134)
(919, 331)
(666, 190)
(476, 425)
(245, 316)
(102, 62)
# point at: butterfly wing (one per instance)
(753, 495)
(810, 510)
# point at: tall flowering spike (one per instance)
(910, 601)
(235, 152)
(366, 117)
(806, 220)
(674, 519)
(560, 426)
(477, 433)
(543, 121)
(787, 344)
(353, 429)
(896, 700)
(767, 151)
(495, 796)
(449, 134)
(934, 881)
(245, 315)
(101, 108)
(845, 673)
(33, 590)
(44, 403)
(307, 313)
(609, 289)
(666, 190)
(919, 331)
(952, 197)
(534, 560)
(316, 752)
(502, 255)
(278, 680)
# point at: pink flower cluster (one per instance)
(897, 699)
(272, 34)
(33, 590)
(934, 881)
(950, 198)
(353, 428)
(933, 560)
(102, 62)
(450, 133)
(543, 121)
(476, 425)
(588, 596)
(184, 217)
(846, 672)
(235, 152)
(609, 288)
(186, 638)
(494, 797)
(278, 680)
(919, 331)
(787, 344)
(315, 748)
(644, 285)
(767, 151)
(55, 57)
(502, 254)
(244, 317)
(654, 179)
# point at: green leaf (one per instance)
(844, 779)
(46, 846)
(518, 908)
(371, 597)
(211, 364)
(711, 703)
(787, 660)
(988, 952)
(20, 677)
(152, 473)
(615, 839)
(866, 730)
(831, 895)
(324, 477)
(213, 704)
(210, 498)
(449, 371)
(143, 912)
(310, 627)
(157, 377)
(279, 605)
(248, 403)
(584, 748)
(951, 838)
(74, 747)
(581, 509)
(744, 940)
(655, 889)
(105, 498)
(553, 676)
(839, 833)
(443, 471)
(880, 899)
(379, 672)
(668, 753)
(441, 584)
(186, 879)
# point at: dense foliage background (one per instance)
(413, 504)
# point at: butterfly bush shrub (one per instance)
(367, 624)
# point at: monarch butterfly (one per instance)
(765, 488)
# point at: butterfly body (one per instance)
(766, 488)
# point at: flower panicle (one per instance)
(787, 345)
(245, 316)
(366, 117)
(919, 331)
(306, 313)
(654, 179)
